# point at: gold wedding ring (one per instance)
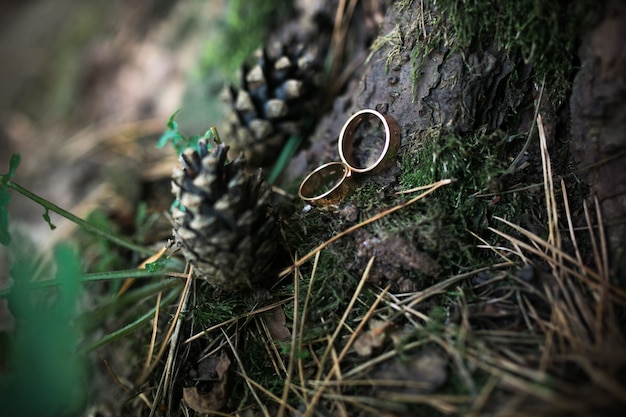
(347, 139)
(332, 182)
(327, 184)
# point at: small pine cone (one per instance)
(273, 102)
(226, 226)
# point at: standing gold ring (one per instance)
(348, 137)
(332, 182)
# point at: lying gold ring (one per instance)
(327, 184)
(347, 138)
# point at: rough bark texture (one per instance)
(454, 91)
(459, 92)
(598, 105)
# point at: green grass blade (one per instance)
(94, 318)
(290, 148)
(82, 223)
(43, 348)
(131, 327)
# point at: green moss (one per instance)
(210, 308)
(544, 33)
(442, 223)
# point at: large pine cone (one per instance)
(225, 224)
(276, 98)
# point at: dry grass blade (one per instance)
(602, 301)
(594, 244)
(554, 238)
(129, 281)
(361, 368)
(236, 319)
(359, 328)
(261, 388)
(519, 156)
(429, 189)
(582, 272)
(373, 405)
(155, 324)
(344, 317)
(175, 325)
(497, 250)
(292, 350)
(440, 402)
(603, 240)
(343, 16)
(483, 397)
(570, 313)
(422, 23)
(270, 348)
(125, 386)
(310, 407)
(305, 309)
(570, 225)
(171, 340)
(155, 329)
(245, 375)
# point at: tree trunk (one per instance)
(425, 81)
(598, 105)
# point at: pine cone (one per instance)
(274, 101)
(226, 226)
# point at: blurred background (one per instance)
(87, 87)
(86, 90)
(83, 82)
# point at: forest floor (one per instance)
(498, 292)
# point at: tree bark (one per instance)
(460, 91)
(598, 105)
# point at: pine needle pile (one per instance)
(535, 334)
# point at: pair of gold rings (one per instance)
(333, 181)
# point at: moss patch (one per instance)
(443, 224)
(543, 33)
